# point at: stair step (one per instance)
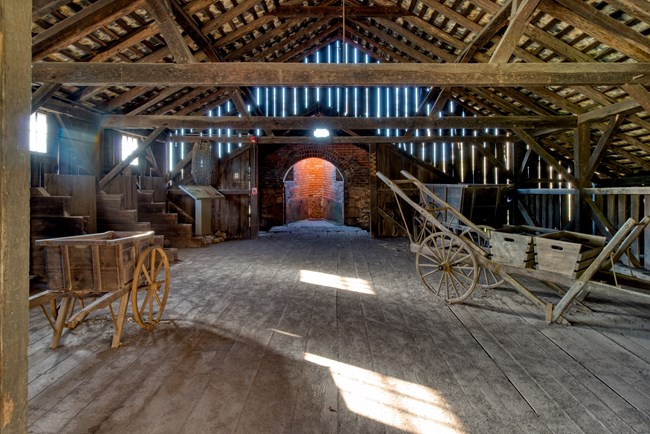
(125, 216)
(145, 196)
(109, 203)
(128, 227)
(185, 242)
(179, 230)
(150, 208)
(50, 205)
(160, 218)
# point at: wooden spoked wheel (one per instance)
(447, 266)
(486, 278)
(150, 287)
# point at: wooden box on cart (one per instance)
(515, 245)
(567, 253)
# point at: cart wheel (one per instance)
(486, 278)
(447, 266)
(150, 287)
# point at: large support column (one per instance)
(15, 95)
(581, 154)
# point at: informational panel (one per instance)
(199, 192)
(203, 196)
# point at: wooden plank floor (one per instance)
(320, 329)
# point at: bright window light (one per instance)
(129, 145)
(336, 282)
(408, 407)
(38, 132)
(321, 133)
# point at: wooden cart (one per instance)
(453, 256)
(106, 267)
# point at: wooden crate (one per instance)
(515, 245)
(567, 253)
(95, 263)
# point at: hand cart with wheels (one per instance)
(105, 267)
(453, 255)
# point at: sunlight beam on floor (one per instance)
(397, 403)
(337, 282)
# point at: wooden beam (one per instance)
(603, 143)
(537, 148)
(192, 29)
(170, 32)
(376, 74)
(286, 140)
(42, 94)
(15, 20)
(336, 123)
(351, 12)
(603, 28)
(72, 29)
(626, 106)
(640, 94)
(142, 147)
(522, 14)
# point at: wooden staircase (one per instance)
(176, 234)
(112, 215)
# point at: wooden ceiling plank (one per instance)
(180, 101)
(416, 40)
(264, 38)
(226, 17)
(598, 25)
(162, 95)
(390, 40)
(133, 38)
(452, 15)
(636, 8)
(170, 32)
(522, 14)
(302, 123)
(434, 31)
(244, 30)
(80, 24)
(126, 97)
(44, 7)
(193, 31)
(277, 74)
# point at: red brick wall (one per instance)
(351, 160)
(314, 192)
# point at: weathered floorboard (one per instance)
(319, 328)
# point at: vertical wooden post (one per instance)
(255, 197)
(15, 107)
(581, 154)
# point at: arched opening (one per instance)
(313, 190)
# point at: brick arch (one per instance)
(352, 161)
(341, 156)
